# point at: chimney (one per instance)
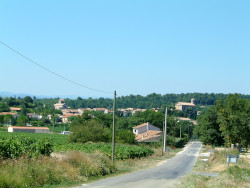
(192, 100)
(147, 126)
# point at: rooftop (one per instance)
(185, 104)
(40, 128)
(142, 125)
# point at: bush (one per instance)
(125, 136)
(91, 130)
(179, 143)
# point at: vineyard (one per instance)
(15, 144)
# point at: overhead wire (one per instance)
(52, 72)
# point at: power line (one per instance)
(52, 72)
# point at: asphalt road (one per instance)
(167, 174)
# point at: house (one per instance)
(15, 109)
(182, 106)
(81, 110)
(100, 109)
(108, 111)
(149, 136)
(15, 115)
(138, 110)
(33, 115)
(186, 119)
(65, 117)
(147, 133)
(60, 105)
(29, 129)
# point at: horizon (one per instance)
(74, 97)
(92, 48)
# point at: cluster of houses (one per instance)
(145, 132)
(68, 112)
(132, 111)
(13, 111)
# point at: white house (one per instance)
(147, 133)
(29, 129)
(181, 106)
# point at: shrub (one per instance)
(90, 130)
(125, 136)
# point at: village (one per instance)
(145, 132)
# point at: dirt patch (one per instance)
(59, 155)
(218, 168)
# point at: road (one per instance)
(167, 174)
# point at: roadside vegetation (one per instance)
(234, 175)
(70, 163)
(224, 125)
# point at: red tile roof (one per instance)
(142, 125)
(148, 135)
(42, 128)
(6, 113)
(66, 115)
(15, 108)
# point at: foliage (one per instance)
(228, 119)
(90, 130)
(208, 129)
(60, 143)
(22, 120)
(4, 107)
(9, 119)
(16, 146)
(234, 119)
(125, 136)
(121, 151)
(137, 101)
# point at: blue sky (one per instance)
(132, 46)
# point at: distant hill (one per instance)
(9, 94)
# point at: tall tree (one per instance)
(234, 119)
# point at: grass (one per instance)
(47, 171)
(236, 175)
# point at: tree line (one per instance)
(225, 123)
(146, 102)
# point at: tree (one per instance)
(208, 128)
(4, 107)
(234, 119)
(9, 119)
(24, 110)
(22, 120)
(125, 136)
(228, 121)
(91, 130)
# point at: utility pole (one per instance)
(113, 138)
(165, 131)
(180, 131)
(162, 152)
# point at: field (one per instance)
(60, 143)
